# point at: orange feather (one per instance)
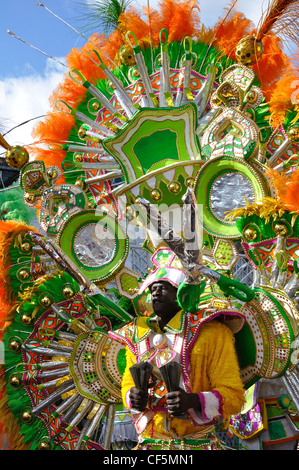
(286, 188)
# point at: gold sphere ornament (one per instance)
(293, 133)
(156, 194)
(15, 345)
(68, 292)
(52, 173)
(126, 55)
(174, 187)
(136, 73)
(46, 301)
(17, 157)
(29, 198)
(280, 229)
(44, 445)
(190, 182)
(26, 247)
(27, 417)
(26, 319)
(24, 274)
(250, 233)
(15, 381)
(251, 96)
(95, 105)
(249, 50)
(80, 183)
(81, 134)
(78, 157)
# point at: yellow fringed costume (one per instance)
(205, 349)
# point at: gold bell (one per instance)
(249, 50)
(80, 183)
(30, 198)
(24, 274)
(95, 106)
(78, 157)
(81, 134)
(26, 247)
(251, 96)
(44, 445)
(136, 73)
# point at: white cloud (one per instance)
(26, 97)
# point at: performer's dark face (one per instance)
(164, 301)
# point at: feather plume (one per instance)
(180, 18)
(281, 18)
(272, 65)
(285, 94)
(230, 29)
(286, 188)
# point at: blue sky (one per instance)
(38, 27)
(27, 77)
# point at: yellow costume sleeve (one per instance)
(214, 367)
(128, 382)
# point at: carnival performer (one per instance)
(210, 386)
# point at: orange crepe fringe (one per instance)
(286, 188)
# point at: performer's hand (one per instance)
(138, 399)
(180, 401)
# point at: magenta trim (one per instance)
(202, 399)
(127, 400)
(186, 348)
(203, 405)
(220, 401)
(184, 357)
